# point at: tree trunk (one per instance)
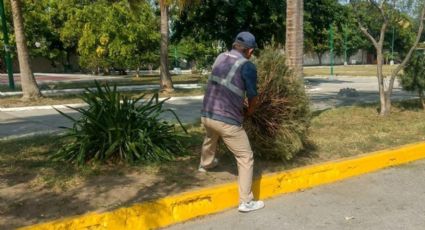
(30, 88)
(165, 77)
(295, 36)
(138, 72)
(387, 108)
(421, 98)
(319, 56)
(106, 71)
(384, 97)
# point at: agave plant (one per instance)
(278, 129)
(115, 128)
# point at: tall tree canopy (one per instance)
(109, 35)
(221, 20)
(375, 29)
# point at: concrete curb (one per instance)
(65, 106)
(33, 134)
(119, 88)
(41, 107)
(182, 207)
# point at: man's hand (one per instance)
(252, 104)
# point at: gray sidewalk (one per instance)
(391, 199)
(324, 93)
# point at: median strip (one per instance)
(178, 208)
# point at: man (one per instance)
(232, 77)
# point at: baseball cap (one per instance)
(246, 39)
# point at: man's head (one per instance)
(245, 43)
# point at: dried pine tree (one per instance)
(277, 130)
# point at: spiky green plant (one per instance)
(278, 128)
(117, 128)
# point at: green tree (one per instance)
(43, 22)
(164, 6)
(221, 20)
(198, 54)
(107, 35)
(413, 78)
(319, 15)
(55, 29)
(42, 33)
(377, 38)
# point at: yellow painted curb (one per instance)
(185, 206)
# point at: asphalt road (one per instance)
(391, 199)
(324, 93)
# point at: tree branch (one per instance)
(383, 3)
(412, 49)
(368, 35)
(365, 31)
(380, 7)
(382, 34)
(415, 44)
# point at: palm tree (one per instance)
(165, 82)
(295, 35)
(29, 86)
(165, 77)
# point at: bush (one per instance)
(413, 79)
(116, 128)
(278, 129)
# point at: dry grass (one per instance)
(349, 131)
(359, 70)
(335, 133)
(29, 158)
(31, 185)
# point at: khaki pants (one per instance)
(237, 141)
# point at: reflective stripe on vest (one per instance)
(227, 81)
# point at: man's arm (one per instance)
(249, 75)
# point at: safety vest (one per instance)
(227, 80)
(225, 91)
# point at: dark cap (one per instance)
(246, 39)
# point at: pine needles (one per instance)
(277, 130)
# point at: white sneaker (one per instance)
(212, 165)
(251, 206)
